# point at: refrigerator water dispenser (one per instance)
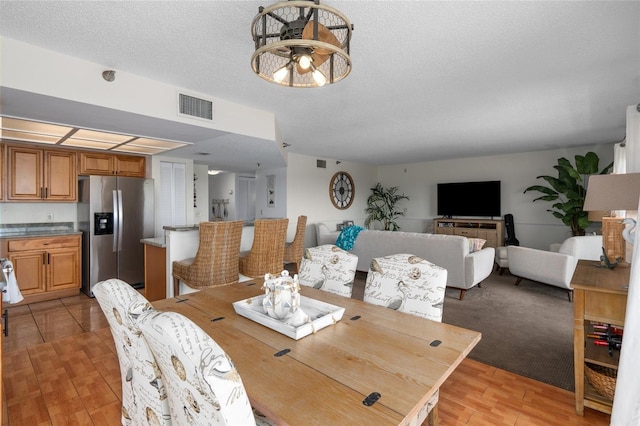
(103, 223)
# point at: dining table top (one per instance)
(324, 377)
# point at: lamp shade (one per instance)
(613, 192)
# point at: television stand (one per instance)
(487, 229)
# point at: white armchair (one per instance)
(553, 267)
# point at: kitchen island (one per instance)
(178, 243)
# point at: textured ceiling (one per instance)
(430, 80)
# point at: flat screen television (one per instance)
(469, 199)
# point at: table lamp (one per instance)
(610, 193)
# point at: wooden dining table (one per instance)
(325, 377)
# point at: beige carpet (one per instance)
(527, 330)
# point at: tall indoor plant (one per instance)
(569, 190)
(382, 206)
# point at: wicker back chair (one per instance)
(267, 251)
(216, 262)
(293, 250)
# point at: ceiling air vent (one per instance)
(321, 164)
(195, 107)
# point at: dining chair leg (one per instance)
(176, 286)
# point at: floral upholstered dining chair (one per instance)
(203, 385)
(407, 283)
(410, 284)
(328, 268)
(144, 399)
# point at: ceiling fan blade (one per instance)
(319, 56)
(324, 34)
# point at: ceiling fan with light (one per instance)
(301, 43)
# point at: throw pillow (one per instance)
(476, 244)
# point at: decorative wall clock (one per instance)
(341, 190)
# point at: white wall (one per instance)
(279, 209)
(308, 193)
(201, 203)
(534, 226)
(308, 190)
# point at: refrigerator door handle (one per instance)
(116, 220)
(120, 220)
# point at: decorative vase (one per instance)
(282, 295)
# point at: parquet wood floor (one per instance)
(60, 368)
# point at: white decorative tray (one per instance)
(322, 315)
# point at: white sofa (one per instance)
(556, 266)
(464, 269)
(324, 235)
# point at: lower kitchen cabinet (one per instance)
(46, 267)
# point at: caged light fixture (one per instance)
(301, 43)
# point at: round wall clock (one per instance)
(341, 190)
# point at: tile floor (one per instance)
(60, 366)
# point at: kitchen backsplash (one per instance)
(16, 213)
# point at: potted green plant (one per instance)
(569, 190)
(382, 206)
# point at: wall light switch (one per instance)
(50, 217)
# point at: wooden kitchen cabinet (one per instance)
(35, 174)
(46, 267)
(98, 163)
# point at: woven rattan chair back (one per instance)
(267, 251)
(216, 262)
(293, 250)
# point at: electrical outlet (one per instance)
(50, 217)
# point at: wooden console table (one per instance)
(490, 230)
(600, 295)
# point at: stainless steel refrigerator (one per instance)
(114, 214)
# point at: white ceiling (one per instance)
(430, 80)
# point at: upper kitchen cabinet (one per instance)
(97, 163)
(41, 174)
